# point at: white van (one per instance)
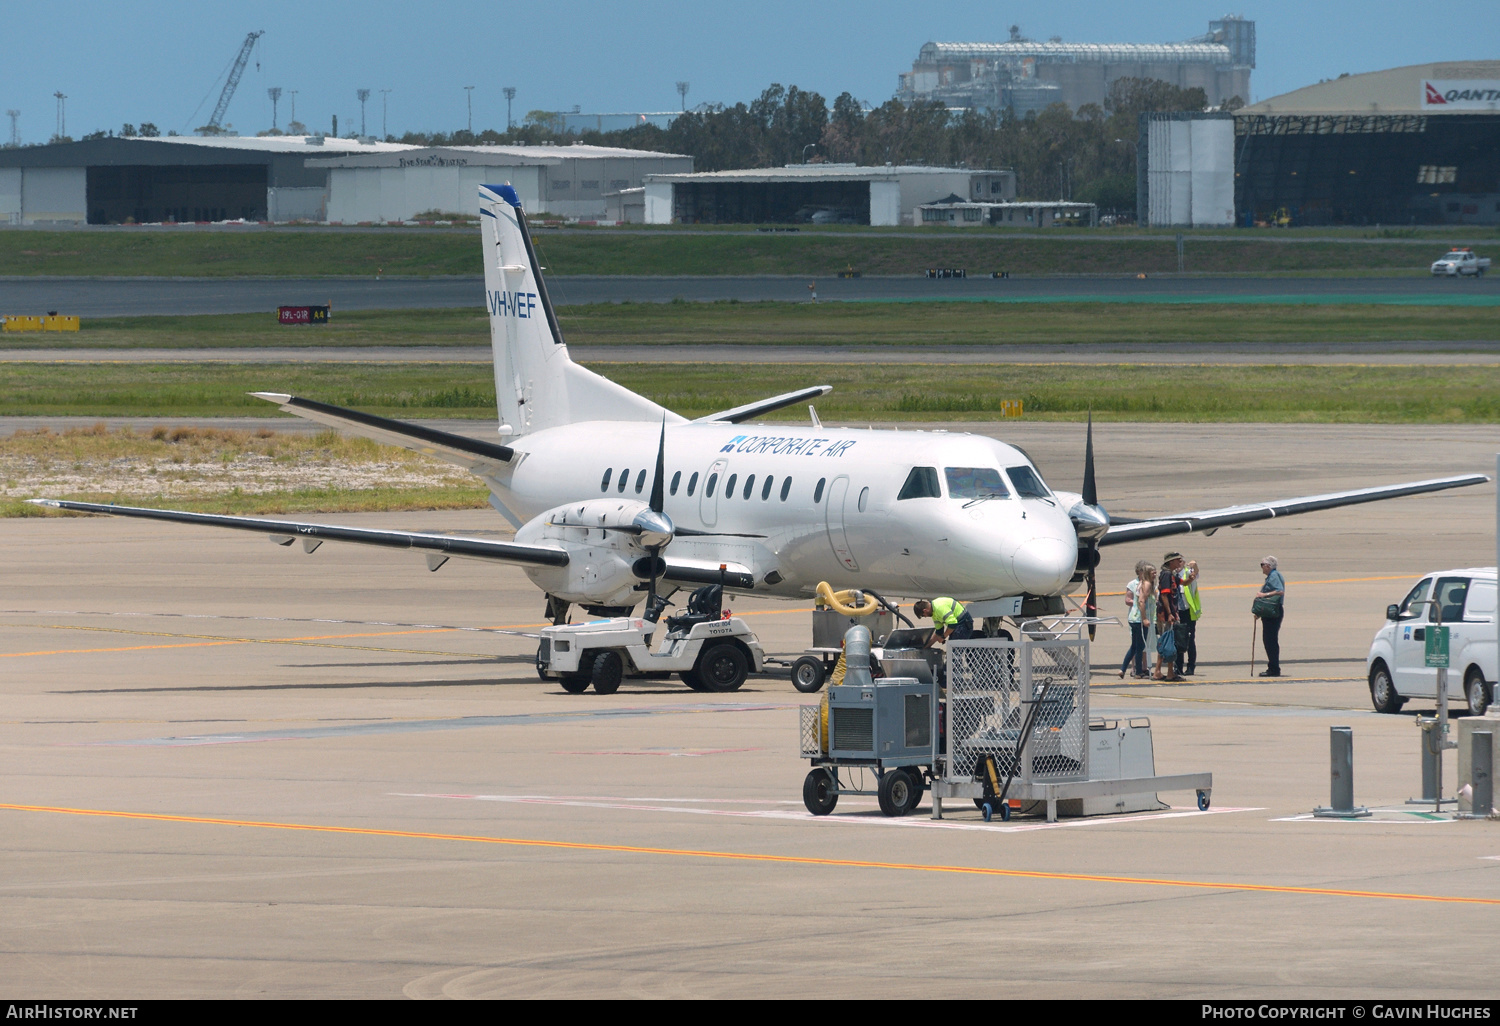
(1396, 660)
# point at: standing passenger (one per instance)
(1187, 656)
(1166, 618)
(1269, 607)
(1136, 656)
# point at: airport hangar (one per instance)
(883, 195)
(168, 179)
(1412, 145)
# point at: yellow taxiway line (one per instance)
(801, 860)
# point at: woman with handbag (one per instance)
(1268, 608)
(1166, 630)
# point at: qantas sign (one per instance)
(1461, 94)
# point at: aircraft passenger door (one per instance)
(833, 514)
(708, 500)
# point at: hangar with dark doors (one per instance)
(170, 179)
(815, 194)
(1412, 145)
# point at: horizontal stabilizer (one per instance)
(466, 452)
(284, 531)
(743, 413)
(1121, 531)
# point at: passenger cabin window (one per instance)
(729, 486)
(765, 491)
(640, 481)
(604, 485)
(818, 491)
(692, 483)
(921, 483)
(749, 485)
(786, 488)
(1451, 592)
(1028, 483)
(708, 489)
(624, 479)
(676, 480)
(1411, 606)
(975, 483)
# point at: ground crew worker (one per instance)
(949, 619)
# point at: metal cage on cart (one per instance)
(1024, 704)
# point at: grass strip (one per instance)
(823, 324)
(315, 254)
(1347, 393)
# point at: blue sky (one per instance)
(155, 60)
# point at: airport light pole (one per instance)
(682, 91)
(275, 94)
(384, 94)
(363, 94)
(510, 94)
(62, 113)
(15, 131)
(293, 94)
(469, 99)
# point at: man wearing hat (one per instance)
(1188, 610)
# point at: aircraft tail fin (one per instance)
(537, 386)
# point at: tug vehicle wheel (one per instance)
(608, 671)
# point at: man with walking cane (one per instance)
(1267, 607)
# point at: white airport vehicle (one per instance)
(705, 650)
(1458, 262)
(1396, 664)
(778, 507)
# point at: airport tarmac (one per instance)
(140, 296)
(233, 769)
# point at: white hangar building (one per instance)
(568, 181)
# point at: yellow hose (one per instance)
(838, 601)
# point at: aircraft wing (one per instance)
(1210, 520)
(470, 453)
(437, 546)
(755, 409)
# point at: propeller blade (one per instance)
(658, 483)
(1090, 491)
(1091, 604)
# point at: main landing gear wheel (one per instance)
(574, 684)
(1383, 691)
(808, 674)
(1477, 693)
(819, 792)
(895, 793)
(722, 668)
(608, 671)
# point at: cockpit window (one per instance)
(921, 483)
(975, 483)
(1028, 483)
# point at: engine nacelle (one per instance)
(607, 540)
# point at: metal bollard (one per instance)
(1482, 773)
(1341, 777)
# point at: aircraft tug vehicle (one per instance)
(705, 649)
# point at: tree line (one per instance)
(1057, 153)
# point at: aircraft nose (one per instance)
(1043, 566)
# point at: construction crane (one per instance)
(216, 123)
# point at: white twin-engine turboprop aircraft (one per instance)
(609, 491)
